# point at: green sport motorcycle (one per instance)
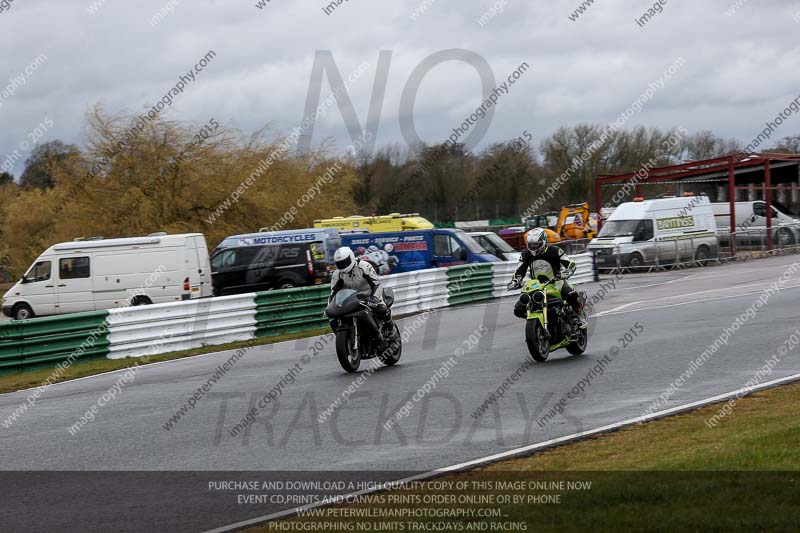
(551, 323)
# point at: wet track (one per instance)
(671, 318)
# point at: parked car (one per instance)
(671, 229)
(405, 251)
(91, 274)
(496, 246)
(277, 260)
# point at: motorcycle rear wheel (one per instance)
(348, 358)
(392, 354)
(538, 340)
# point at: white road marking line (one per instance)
(701, 275)
(719, 289)
(609, 313)
(692, 293)
(618, 308)
(746, 271)
(520, 451)
(623, 306)
(743, 271)
(661, 283)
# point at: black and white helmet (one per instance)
(536, 241)
(345, 259)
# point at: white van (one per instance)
(87, 275)
(751, 223)
(666, 230)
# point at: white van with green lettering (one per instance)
(665, 231)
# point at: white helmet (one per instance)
(345, 259)
(536, 241)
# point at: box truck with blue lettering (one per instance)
(406, 251)
(663, 231)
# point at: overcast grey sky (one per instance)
(739, 70)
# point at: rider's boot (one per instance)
(576, 302)
(384, 315)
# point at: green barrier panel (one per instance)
(44, 342)
(64, 343)
(291, 310)
(492, 222)
(469, 283)
(504, 222)
(51, 325)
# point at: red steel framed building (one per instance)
(735, 177)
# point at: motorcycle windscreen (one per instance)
(343, 295)
(344, 303)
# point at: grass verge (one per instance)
(25, 380)
(673, 474)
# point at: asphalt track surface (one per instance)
(679, 314)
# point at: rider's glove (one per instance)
(514, 284)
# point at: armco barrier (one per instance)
(46, 342)
(290, 310)
(161, 328)
(418, 291)
(469, 283)
(171, 327)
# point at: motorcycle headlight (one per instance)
(538, 297)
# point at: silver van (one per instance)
(751, 223)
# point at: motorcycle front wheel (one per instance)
(578, 346)
(538, 340)
(349, 356)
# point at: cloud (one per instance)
(740, 70)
